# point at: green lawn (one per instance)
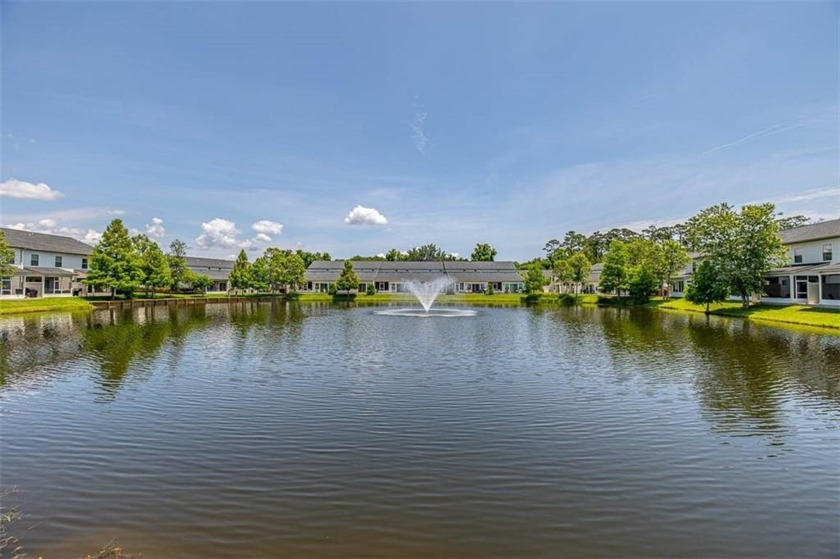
(788, 314)
(46, 304)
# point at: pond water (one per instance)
(274, 430)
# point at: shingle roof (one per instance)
(396, 271)
(48, 243)
(813, 232)
(195, 261)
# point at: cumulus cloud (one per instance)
(155, 228)
(219, 233)
(267, 227)
(14, 188)
(223, 233)
(361, 215)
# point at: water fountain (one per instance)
(426, 293)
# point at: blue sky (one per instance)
(355, 128)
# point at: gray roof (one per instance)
(48, 272)
(398, 271)
(813, 232)
(197, 262)
(48, 243)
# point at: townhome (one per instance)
(47, 265)
(394, 277)
(812, 276)
(216, 269)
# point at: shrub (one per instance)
(332, 290)
(490, 290)
(371, 290)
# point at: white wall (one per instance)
(812, 251)
(47, 259)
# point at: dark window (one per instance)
(33, 260)
(58, 261)
(831, 287)
(778, 287)
(797, 256)
(827, 252)
(84, 264)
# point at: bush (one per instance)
(371, 290)
(490, 290)
(332, 290)
(567, 299)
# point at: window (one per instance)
(6, 286)
(33, 260)
(778, 288)
(831, 287)
(797, 256)
(827, 252)
(58, 260)
(84, 264)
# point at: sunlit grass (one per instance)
(46, 304)
(789, 314)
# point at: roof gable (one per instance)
(812, 232)
(30, 240)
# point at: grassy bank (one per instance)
(786, 314)
(46, 304)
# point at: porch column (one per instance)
(43, 285)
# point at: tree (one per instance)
(792, 221)
(742, 247)
(535, 280)
(202, 282)
(240, 274)
(641, 283)
(7, 258)
(258, 274)
(294, 273)
(674, 258)
(177, 259)
(614, 275)
(348, 280)
(394, 255)
(115, 262)
(562, 271)
(707, 286)
(580, 268)
(310, 257)
(153, 265)
(483, 252)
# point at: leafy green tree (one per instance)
(294, 271)
(673, 259)
(427, 253)
(115, 262)
(707, 286)
(580, 267)
(348, 280)
(562, 271)
(153, 265)
(483, 252)
(177, 260)
(258, 277)
(201, 282)
(310, 257)
(535, 280)
(371, 289)
(240, 274)
(394, 255)
(7, 258)
(742, 246)
(641, 283)
(615, 273)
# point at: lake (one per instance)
(274, 430)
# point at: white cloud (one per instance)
(155, 228)
(267, 227)
(14, 188)
(223, 233)
(220, 233)
(361, 215)
(418, 134)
